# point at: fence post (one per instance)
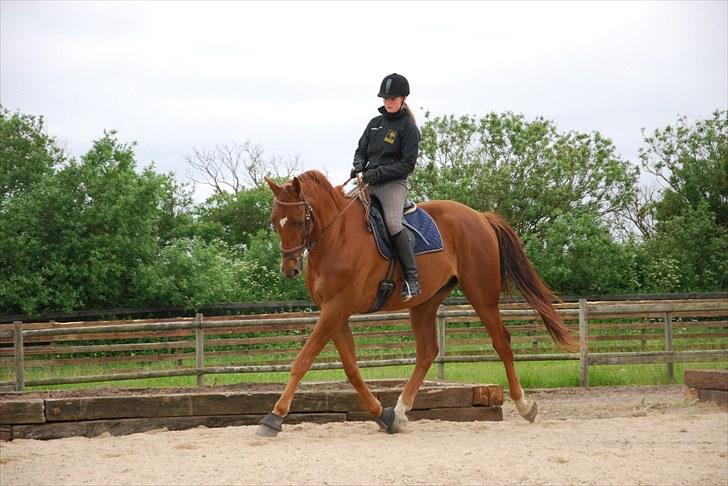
(441, 344)
(668, 344)
(19, 355)
(583, 343)
(199, 349)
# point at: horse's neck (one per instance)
(341, 222)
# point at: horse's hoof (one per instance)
(265, 431)
(386, 420)
(270, 426)
(400, 423)
(531, 414)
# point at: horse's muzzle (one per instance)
(291, 267)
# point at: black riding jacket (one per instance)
(389, 147)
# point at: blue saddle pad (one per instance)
(427, 234)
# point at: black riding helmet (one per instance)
(394, 85)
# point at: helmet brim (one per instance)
(383, 95)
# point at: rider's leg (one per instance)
(392, 196)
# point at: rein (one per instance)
(308, 243)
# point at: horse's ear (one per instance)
(273, 186)
(297, 185)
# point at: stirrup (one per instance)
(408, 292)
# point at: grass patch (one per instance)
(548, 374)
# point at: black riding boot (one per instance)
(404, 245)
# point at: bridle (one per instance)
(307, 245)
(298, 252)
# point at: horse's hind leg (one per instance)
(344, 342)
(422, 320)
(500, 337)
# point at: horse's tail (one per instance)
(516, 267)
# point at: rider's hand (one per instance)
(371, 176)
(358, 168)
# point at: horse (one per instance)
(481, 253)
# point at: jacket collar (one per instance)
(390, 116)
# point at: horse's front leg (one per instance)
(328, 323)
(344, 341)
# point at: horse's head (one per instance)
(292, 218)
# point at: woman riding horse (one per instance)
(481, 253)
(386, 155)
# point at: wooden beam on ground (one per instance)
(22, 411)
(707, 379)
(130, 411)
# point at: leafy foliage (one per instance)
(99, 232)
(692, 160)
(76, 236)
(577, 255)
(526, 171)
(689, 248)
(235, 218)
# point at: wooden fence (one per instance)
(630, 332)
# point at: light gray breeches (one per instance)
(392, 195)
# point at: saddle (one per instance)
(426, 235)
(415, 219)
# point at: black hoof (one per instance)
(270, 426)
(386, 420)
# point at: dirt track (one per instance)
(646, 435)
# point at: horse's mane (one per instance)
(316, 178)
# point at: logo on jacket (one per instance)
(391, 136)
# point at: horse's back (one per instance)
(465, 232)
(455, 217)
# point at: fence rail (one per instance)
(610, 332)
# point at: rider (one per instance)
(386, 155)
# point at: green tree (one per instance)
(27, 152)
(527, 171)
(578, 255)
(235, 218)
(261, 271)
(692, 161)
(688, 250)
(75, 238)
(189, 272)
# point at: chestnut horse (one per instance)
(481, 254)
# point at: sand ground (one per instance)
(640, 435)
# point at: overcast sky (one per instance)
(301, 78)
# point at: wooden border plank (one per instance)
(30, 411)
(325, 401)
(707, 379)
(172, 405)
(135, 425)
(487, 395)
(431, 397)
(716, 396)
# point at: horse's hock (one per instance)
(66, 413)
